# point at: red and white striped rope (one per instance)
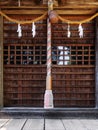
(48, 48)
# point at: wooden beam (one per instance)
(24, 11)
(83, 5)
(85, 8)
(75, 6)
(24, 7)
(76, 12)
(83, 2)
(61, 12)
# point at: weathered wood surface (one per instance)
(59, 11)
(48, 124)
(1, 61)
(96, 65)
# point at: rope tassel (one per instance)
(33, 30)
(19, 31)
(80, 31)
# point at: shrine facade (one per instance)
(71, 73)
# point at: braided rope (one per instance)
(44, 15)
(23, 22)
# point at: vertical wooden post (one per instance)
(96, 65)
(48, 98)
(1, 61)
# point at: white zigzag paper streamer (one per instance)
(33, 30)
(19, 31)
(80, 31)
(68, 31)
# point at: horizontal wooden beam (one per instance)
(82, 6)
(70, 5)
(69, 9)
(63, 12)
(76, 12)
(24, 11)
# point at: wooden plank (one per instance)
(34, 124)
(14, 124)
(66, 6)
(90, 124)
(54, 124)
(96, 65)
(64, 12)
(17, 11)
(3, 122)
(73, 124)
(1, 61)
(24, 7)
(76, 11)
(81, 6)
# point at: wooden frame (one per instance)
(1, 61)
(96, 69)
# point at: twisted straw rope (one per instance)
(44, 15)
(24, 22)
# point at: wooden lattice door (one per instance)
(24, 64)
(73, 65)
